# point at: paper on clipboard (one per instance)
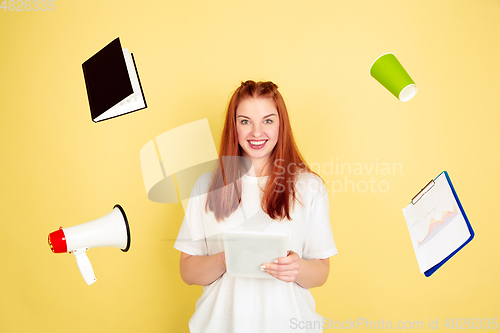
(436, 224)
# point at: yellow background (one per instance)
(60, 169)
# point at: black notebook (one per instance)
(112, 81)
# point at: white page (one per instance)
(436, 225)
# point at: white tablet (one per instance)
(246, 251)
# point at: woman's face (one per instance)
(257, 123)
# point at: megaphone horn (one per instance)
(111, 230)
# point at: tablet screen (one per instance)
(246, 251)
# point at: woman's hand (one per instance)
(284, 269)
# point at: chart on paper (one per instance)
(436, 225)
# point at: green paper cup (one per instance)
(387, 70)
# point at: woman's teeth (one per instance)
(257, 143)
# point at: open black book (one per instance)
(113, 85)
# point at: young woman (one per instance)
(279, 193)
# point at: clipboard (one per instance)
(422, 194)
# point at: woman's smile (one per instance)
(254, 144)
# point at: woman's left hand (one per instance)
(284, 269)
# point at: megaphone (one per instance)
(111, 230)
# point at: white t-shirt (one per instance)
(241, 305)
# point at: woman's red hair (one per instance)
(280, 190)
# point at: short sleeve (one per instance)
(319, 243)
(186, 244)
(191, 239)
